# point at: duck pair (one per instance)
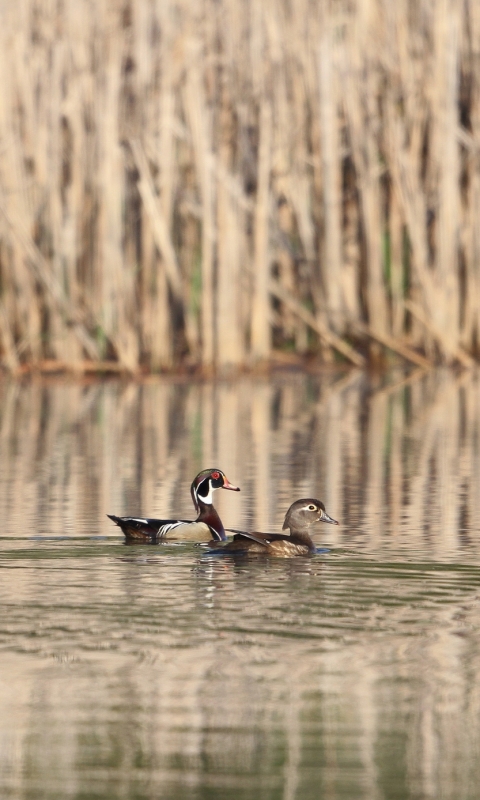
(300, 516)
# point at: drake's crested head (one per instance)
(303, 513)
(205, 484)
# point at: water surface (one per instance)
(163, 672)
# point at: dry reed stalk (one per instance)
(260, 333)
(117, 284)
(10, 357)
(148, 294)
(201, 127)
(362, 89)
(157, 220)
(331, 166)
(437, 286)
(395, 345)
(300, 79)
(57, 298)
(315, 323)
(471, 231)
(19, 292)
(439, 335)
(286, 190)
(445, 161)
(291, 325)
(396, 245)
(63, 212)
(303, 271)
(230, 336)
(157, 322)
(230, 332)
(404, 171)
(156, 136)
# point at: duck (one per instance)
(206, 527)
(299, 517)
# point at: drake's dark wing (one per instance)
(146, 526)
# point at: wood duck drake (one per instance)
(300, 516)
(206, 527)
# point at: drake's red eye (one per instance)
(215, 475)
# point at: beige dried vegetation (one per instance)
(204, 183)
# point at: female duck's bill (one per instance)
(206, 527)
(299, 517)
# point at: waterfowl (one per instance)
(299, 517)
(205, 527)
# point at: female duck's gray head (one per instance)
(206, 482)
(304, 513)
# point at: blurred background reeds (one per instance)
(209, 183)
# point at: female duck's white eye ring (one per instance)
(312, 508)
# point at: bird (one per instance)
(206, 527)
(299, 517)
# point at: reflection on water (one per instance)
(163, 672)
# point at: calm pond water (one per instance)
(144, 672)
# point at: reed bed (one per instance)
(209, 183)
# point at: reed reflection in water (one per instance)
(143, 672)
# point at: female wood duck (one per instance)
(207, 526)
(299, 517)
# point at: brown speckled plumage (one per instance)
(299, 517)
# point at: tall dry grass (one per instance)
(205, 182)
